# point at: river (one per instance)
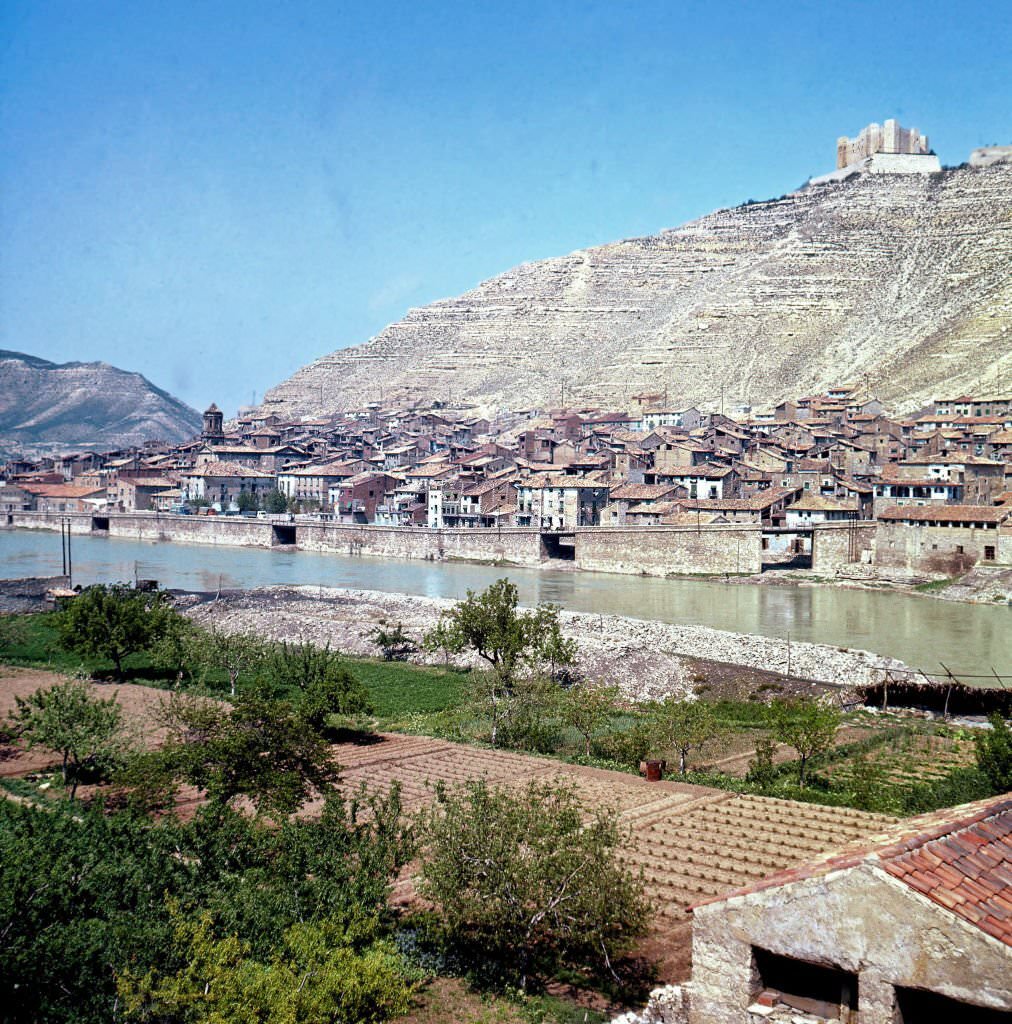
(925, 633)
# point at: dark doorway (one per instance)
(558, 545)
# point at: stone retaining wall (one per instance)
(660, 551)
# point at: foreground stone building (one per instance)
(915, 926)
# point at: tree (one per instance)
(234, 653)
(114, 621)
(809, 726)
(247, 502)
(83, 729)
(275, 502)
(395, 644)
(529, 879)
(510, 641)
(259, 748)
(524, 716)
(317, 975)
(490, 625)
(589, 708)
(683, 726)
(320, 678)
(994, 753)
(441, 639)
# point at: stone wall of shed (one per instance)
(860, 920)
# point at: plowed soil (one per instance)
(692, 843)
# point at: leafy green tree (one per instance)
(511, 642)
(490, 625)
(761, 770)
(395, 644)
(809, 726)
(316, 976)
(683, 726)
(441, 639)
(994, 753)
(259, 748)
(85, 730)
(86, 897)
(589, 709)
(320, 678)
(234, 653)
(275, 502)
(114, 621)
(247, 502)
(529, 879)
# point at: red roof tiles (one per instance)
(959, 858)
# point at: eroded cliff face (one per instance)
(91, 404)
(898, 281)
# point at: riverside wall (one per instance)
(838, 544)
(652, 551)
(660, 551)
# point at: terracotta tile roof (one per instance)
(642, 492)
(947, 513)
(959, 857)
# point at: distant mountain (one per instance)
(899, 282)
(89, 404)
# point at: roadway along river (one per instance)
(969, 639)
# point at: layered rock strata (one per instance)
(898, 282)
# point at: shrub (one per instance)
(529, 880)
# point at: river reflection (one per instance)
(925, 633)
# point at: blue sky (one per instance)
(216, 193)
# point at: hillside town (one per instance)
(836, 457)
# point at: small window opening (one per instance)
(828, 992)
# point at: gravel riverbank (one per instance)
(647, 659)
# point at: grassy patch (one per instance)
(396, 689)
(933, 586)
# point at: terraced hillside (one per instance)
(898, 281)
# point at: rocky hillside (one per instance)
(89, 404)
(898, 281)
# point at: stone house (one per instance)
(686, 419)
(813, 508)
(552, 501)
(137, 494)
(356, 499)
(222, 483)
(14, 498)
(313, 483)
(706, 481)
(946, 539)
(66, 497)
(915, 927)
(982, 479)
(629, 497)
(765, 508)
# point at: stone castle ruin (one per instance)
(886, 138)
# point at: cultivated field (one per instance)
(691, 842)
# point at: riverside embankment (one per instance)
(647, 659)
(969, 639)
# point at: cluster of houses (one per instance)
(823, 458)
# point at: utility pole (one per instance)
(70, 559)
